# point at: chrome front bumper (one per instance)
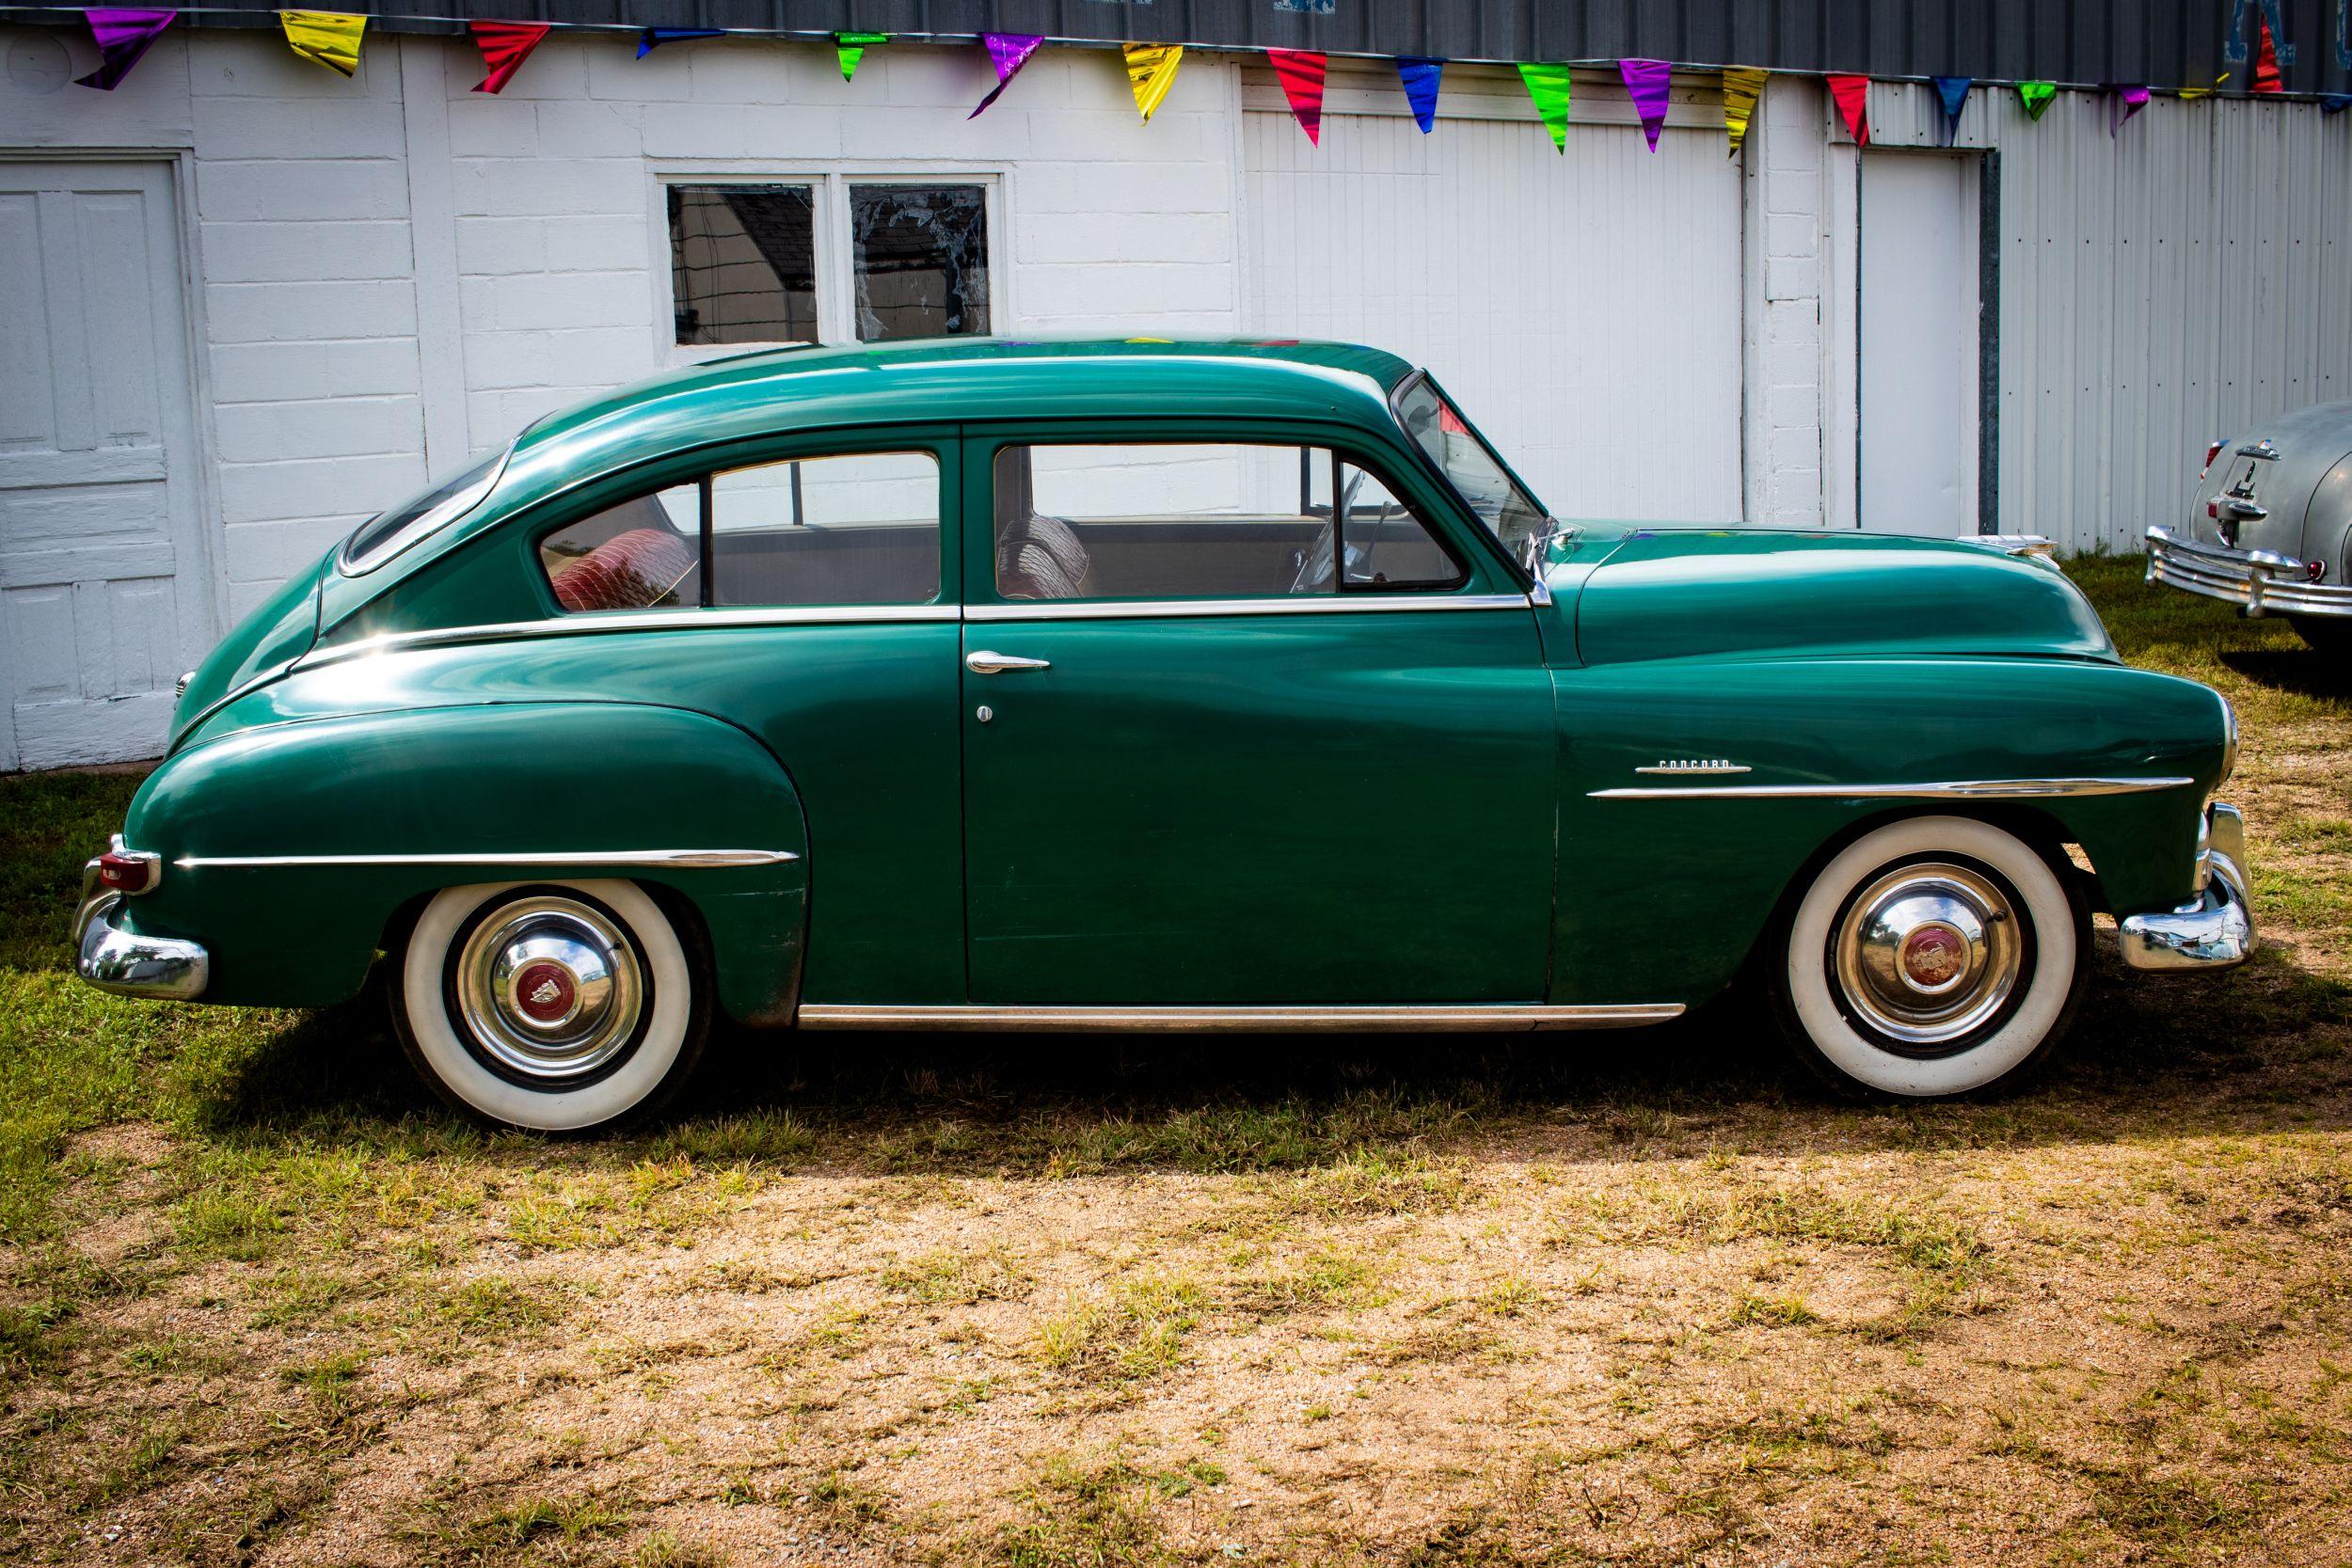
(2265, 581)
(2214, 930)
(125, 962)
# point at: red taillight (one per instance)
(2213, 452)
(125, 872)
(2315, 569)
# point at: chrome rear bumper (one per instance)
(2265, 581)
(2214, 930)
(127, 963)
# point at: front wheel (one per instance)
(552, 1006)
(1931, 958)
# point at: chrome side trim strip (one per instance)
(1305, 603)
(819, 1015)
(584, 858)
(1967, 789)
(647, 620)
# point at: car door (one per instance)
(1218, 753)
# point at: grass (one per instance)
(1645, 1299)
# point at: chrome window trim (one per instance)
(1958, 789)
(626, 621)
(397, 547)
(594, 859)
(1321, 604)
(1512, 1016)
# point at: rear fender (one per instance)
(289, 849)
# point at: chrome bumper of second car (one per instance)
(2265, 581)
(127, 963)
(2214, 930)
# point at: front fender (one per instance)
(288, 849)
(1698, 878)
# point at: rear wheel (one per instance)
(1933, 957)
(553, 1007)
(2330, 634)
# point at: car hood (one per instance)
(1666, 593)
(279, 630)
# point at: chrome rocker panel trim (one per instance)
(1505, 1016)
(1960, 789)
(2263, 581)
(2214, 930)
(583, 860)
(126, 964)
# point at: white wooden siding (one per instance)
(1584, 308)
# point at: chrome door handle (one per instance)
(983, 663)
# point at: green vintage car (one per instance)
(1143, 685)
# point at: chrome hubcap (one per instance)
(550, 987)
(1928, 953)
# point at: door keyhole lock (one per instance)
(984, 713)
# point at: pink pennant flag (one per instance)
(1301, 71)
(2130, 98)
(1009, 52)
(505, 45)
(1648, 82)
(1853, 105)
(123, 37)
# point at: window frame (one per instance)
(832, 241)
(1436, 509)
(698, 466)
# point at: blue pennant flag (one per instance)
(653, 38)
(2334, 103)
(1953, 91)
(1420, 75)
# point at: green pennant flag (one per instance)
(1549, 86)
(2035, 96)
(852, 48)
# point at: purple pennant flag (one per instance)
(1953, 93)
(1420, 75)
(1648, 81)
(1009, 52)
(123, 37)
(2130, 98)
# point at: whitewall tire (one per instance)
(1933, 957)
(552, 1006)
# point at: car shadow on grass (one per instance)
(2268, 1048)
(2304, 671)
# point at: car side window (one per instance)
(1204, 520)
(857, 529)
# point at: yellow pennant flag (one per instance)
(1152, 71)
(1742, 84)
(330, 38)
(2193, 93)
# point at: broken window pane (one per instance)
(743, 263)
(922, 260)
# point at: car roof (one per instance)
(958, 380)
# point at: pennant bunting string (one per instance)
(1951, 93)
(1742, 87)
(1301, 73)
(123, 37)
(653, 38)
(329, 38)
(1550, 87)
(1150, 72)
(1649, 83)
(1419, 74)
(849, 48)
(2036, 97)
(1854, 104)
(505, 46)
(1008, 52)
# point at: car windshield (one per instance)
(1510, 514)
(386, 534)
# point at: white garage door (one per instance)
(102, 595)
(1583, 308)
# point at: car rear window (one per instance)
(387, 533)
